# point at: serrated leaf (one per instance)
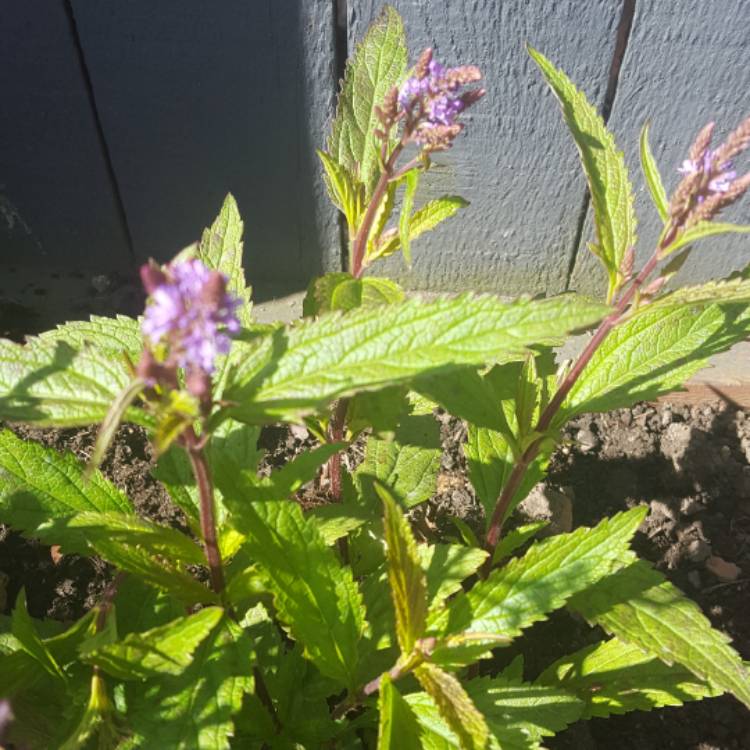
(336, 520)
(408, 464)
(423, 220)
(118, 334)
(39, 487)
(514, 539)
(167, 649)
(298, 370)
(342, 190)
(315, 597)
(490, 459)
(446, 566)
(341, 291)
(221, 248)
(404, 224)
(705, 229)
(455, 706)
(653, 178)
(639, 606)
(607, 176)
(405, 575)
(527, 588)
(652, 353)
(398, 728)
(520, 715)
(615, 677)
(131, 530)
(194, 711)
(381, 410)
(378, 64)
(22, 627)
(51, 383)
(721, 292)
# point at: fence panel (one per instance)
(685, 64)
(199, 99)
(57, 206)
(516, 164)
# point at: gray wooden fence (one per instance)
(124, 123)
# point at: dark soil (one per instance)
(691, 464)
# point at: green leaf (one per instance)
(220, 249)
(515, 539)
(653, 178)
(611, 192)
(398, 729)
(652, 353)
(455, 706)
(40, 487)
(405, 575)
(423, 220)
(295, 371)
(22, 627)
(490, 459)
(408, 464)
(51, 383)
(146, 550)
(640, 607)
(721, 292)
(446, 566)
(167, 649)
(130, 530)
(377, 65)
(527, 588)
(341, 291)
(194, 710)
(315, 597)
(118, 334)
(521, 715)
(345, 194)
(381, 410)
(404, 224)
(615, 677)
(336, 520)
(705, 229)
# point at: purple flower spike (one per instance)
(431, 101)
(720, 178)
(191, 312)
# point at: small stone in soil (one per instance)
(725, 571)
(546, 504)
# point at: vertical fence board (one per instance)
(57, 207)
(686, 64)
(515, 162)
(200, 99)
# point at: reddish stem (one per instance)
(521, 467)
(198, 462)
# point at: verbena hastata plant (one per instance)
(335, 627)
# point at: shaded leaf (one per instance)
(639, 606)
(653, 178)
(615, 677)
(398, 729)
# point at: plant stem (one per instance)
(545, 420)
(336, 434)
(360, 240)
(202, 475)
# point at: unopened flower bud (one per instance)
(152, 276)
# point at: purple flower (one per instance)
(190, 312)
(430, 98)
(721, 177)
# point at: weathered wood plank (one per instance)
(199, 99)
(685, 64)
(515, 163)
(57, 206)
